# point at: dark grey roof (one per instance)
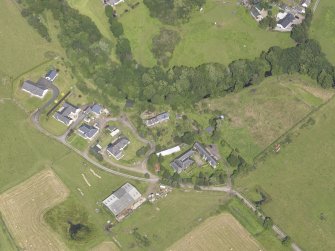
(52, 74)
(34, 89)
(205, 154)
(286, 20)
(64, 112)
(117, 147)
(111, 128)
(96, 109)
(159, 118)
(255, 12)
(96, 149)
(122, 199)
(182, 162)
(87, 131)
(307, 2)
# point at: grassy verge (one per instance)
(52, 125)
(78, 142)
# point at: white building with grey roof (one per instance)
(205, 154)
(34, 89)
(87, 131)
(123, 200)
(116, 148)
(182, 162)
(67, 114)
(157, 119)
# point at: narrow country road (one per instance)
(35, 117)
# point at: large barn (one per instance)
(123, 201)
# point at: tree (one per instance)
(325, 79)
(299, 33)
(188, 138)
(116, 27)
(267, 223)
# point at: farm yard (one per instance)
(222, 232)
(298, 182)
(258, 115)
(323, 28)
(23, 206)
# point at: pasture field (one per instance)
(27, 47)
(5, 86)
(258, 115)
(6, 240)
(168, 220)
(222, 232)
(23, 206)
(323, 28)
(235, 35)
(299, 182)
(24, 151)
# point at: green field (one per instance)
(250, 222)
(78, 142)
(323, 28)
(258, 115)
(299, 182)
(6, 241)
(168, 220)
(235, 35)
(21, 46)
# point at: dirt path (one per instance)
(24, 206)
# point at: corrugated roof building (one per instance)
(122, 199)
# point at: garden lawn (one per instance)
(300, 183)
(22, 47)
(258, 115)
(323, 28)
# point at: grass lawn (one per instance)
(235, 35)
(168, 220)
(27, 48)
(323, 28)
(5, 86)
(300, 183)
(258, 115)
(52, 125)
(78, 142)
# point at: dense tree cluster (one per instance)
(172, 11)
(299, 33)
(178, 86)
(35, 21)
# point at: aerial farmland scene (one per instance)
(167, 125)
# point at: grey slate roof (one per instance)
(255, 12)
(205, 154)
(87, 131)
(122, 199)
(34, 89)
(158, 119)
(97, 109)
(63, 114)
(116, 148)
(51, 75)
(286, 20)
(182, 162)
(306, 2)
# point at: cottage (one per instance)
(256, 13)
(286, 22)
(88, 132)
(51, 75)
(205, 154)
(182, 162)
(96, 109)
(123, 201)
(33, 89)
(158, 119)
(113, 131)
(169, 151)
(305, 3)
(67, 114)
(116, 149)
